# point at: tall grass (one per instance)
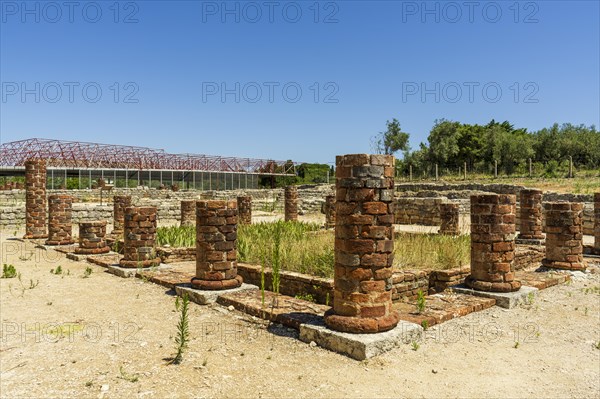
(292, 246)
(303, 248)
(176, 236)
(431, 251)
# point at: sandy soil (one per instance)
(104, 336)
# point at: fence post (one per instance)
(436, 172)
(465, 170)
(570, 167)
(495, 168)
(530, 168)
(410, 172)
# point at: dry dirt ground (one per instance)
(104, 336)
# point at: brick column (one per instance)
(531, 215)
(449, 215)
(188, 213)
(120, 202)
(216, 251)
(564, 235)
(597, 223)
(244, 205)
(139, 249)
(291, 203)
(35, 199)
(364, 244)
(92, 238)
(60, 227)
(329, 211)
(492, 243)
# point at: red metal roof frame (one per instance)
(76, 154)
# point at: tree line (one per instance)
(451, 144)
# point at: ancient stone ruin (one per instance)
(139, 248)
(449, 215)
(531, 212)
(60, 227)
(329, 211)
(362, 301)
(216, 250)
(493, 243)
(92, 238)
(120, 203)
(188, 213)
(564, 237)
(244, 204)
(35, 199)
(291, 203)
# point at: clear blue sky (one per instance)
(370, 62)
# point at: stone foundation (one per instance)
(92, 238)
(244, 204)
(139, 246)
(564, 245)
(60, 226)
(35, 199)
(188, 213)
(216, 241)
(364, 244)
(291, 203)
(492, 243)
(449, 215)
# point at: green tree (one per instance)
(392, 140)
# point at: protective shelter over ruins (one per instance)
(85, 164)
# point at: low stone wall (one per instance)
(86, 205)
(13, 217)
(422, 211)
(172, 255)
(526, 256)
(407, 284)
(291, 283)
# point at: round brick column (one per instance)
(492, 243)
(120, 202)
(449, 215)
(291, 203)
(329, 211)
(216, 240)
(244, 205)
(364, 244)
(60, 227)
(531, 215)
(188, 213)
(139, 248)
(92, 238)
(597, 223)
(35, 199)
(564, 235)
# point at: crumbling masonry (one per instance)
(364, 244)
(493, 243)
(216, 246)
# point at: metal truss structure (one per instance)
(82, 155)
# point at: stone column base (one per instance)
(92, 251)
(135, 264)
(34, 236)
(58, 242)
(361, 325)
(216, 285)
(552, 264)
(492, 287)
